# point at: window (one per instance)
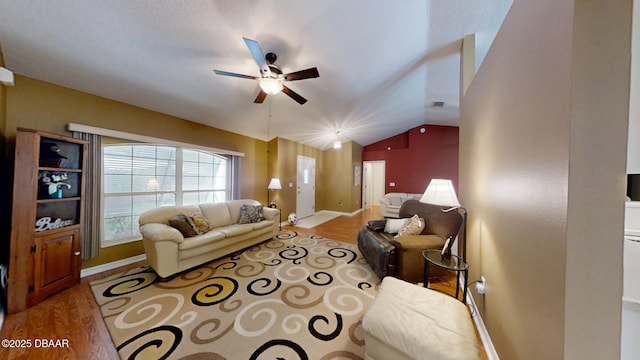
(204, 177)
(140, 177)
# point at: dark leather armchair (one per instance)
(401, 256)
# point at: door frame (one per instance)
(369, 181)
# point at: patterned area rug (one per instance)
(293, 297)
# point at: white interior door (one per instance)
(373, 183)
(306, 198)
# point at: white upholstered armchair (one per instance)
(391, 202)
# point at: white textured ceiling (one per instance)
(382, 63)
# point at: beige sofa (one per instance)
(169, 251)
(390, 203)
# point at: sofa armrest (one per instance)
(271, 214)
(377, 249)
(161, 232)
(377, 225)
(420, 242)
(385, 200)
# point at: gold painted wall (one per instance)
(44, 106)
(334, 175)
(5, 183)
(337, 171)
(287, 152)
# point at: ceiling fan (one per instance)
(271, 79)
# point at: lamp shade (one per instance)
(440, 192)
(271, 86)
(274, 184)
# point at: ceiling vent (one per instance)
(438, 103)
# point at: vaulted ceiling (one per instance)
(382, 63)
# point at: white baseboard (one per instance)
(482, 329)
(112, 265)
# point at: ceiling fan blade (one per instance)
(260, 98)
(258, 56)
(294, 95)
(302, 74)
(226, 73)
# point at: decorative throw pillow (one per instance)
(182, 223)
(250, 214)
(199, 222)
(394, 225)
(414, 227)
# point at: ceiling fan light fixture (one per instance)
(271, 86)
(271, 80)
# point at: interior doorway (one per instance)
(306, 179)
(373, 182)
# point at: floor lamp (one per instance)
(441, 192)
(273, 185)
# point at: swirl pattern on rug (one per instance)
(296, 296)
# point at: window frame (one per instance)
(230, 180)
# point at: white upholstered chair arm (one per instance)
(161, 232)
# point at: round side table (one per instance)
(453, 263)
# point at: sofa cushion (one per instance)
(182, 223)
(393, 226)
(396, 200)
(217, 213)
(217, 244)
(200, 240)
(410, 260)
(236, 229)
(414, 227)
(199, 222)
(250, 214)
(262, 224)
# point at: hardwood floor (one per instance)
(73, 316)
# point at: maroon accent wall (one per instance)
(413, 159)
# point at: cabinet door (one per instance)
(57, 264)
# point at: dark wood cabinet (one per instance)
(46, 217)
